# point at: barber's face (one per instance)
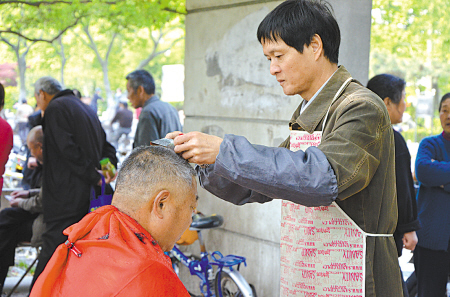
(293, 70)
(180, 219)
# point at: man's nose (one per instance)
(274, 68)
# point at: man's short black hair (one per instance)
(142, 78)
(296, 22)
(387, 85)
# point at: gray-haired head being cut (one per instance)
(150, 166)
(47, 84)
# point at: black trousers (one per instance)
(15, 226)
(51, 238)
(432, 269)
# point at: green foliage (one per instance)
(410, 39)
(178, 105)
(134, 23)
(11, 97)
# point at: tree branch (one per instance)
(39, 3)
(41, 39)
(110, 46)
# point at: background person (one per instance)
(125, 118)
(6, 138)
(392, 90)
(122, 246)
(74, 144)
(93, 103)
(431, 256)
(353, 164)
(23, 112)
(157, 118)
(32, 172)
(23, 221)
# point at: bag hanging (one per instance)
(102, 200)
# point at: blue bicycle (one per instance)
(219, 275)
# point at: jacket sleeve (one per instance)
(356, 142)
(254, 173)
(32, 204)
(429, 171)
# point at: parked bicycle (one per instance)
(223, 281)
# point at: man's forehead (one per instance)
(270, 46)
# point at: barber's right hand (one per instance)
(20, 194)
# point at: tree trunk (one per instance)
(22, 65)
(63, 60)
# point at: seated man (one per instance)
(118, 250)
(16, 222)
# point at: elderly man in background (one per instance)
(157, 118)
(74, 144)
(124, 244)
(23, 221)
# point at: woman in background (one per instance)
(6, 138)
(431, 257)
(391, 90)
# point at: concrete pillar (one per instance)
(229, 90)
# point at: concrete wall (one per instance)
(228, 89)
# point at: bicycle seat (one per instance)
(200, 222)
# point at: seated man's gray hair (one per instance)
(151, 165)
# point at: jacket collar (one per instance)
(316, 111)
(150, 100)
(63, 93)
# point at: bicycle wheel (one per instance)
(229, 287)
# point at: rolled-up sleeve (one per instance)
(253, 173)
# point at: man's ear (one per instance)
(387, 101)
(140, 91)
(159, 206)
(317, 46)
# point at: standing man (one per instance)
(125, 118)
(353, 164)
(95, 98)
(74, 144)
(157, 118)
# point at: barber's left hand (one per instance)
(197, 147)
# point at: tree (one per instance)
(52, 18)
(410, 39)
(48, 21)
(21, 49)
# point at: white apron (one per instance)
(323, 252)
